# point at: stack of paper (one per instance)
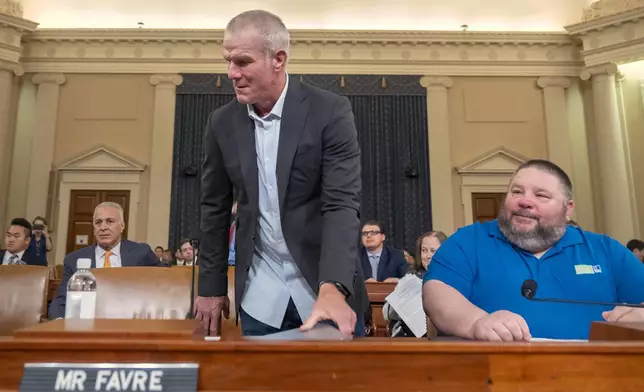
(407, 301)
(319, 332)
(558, 340)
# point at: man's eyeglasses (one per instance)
(370, 233)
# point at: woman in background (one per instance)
(426, 246)
(40, 242)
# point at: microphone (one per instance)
(194, 242)
(529, 290)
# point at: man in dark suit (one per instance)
(380, 263)
(110, 251)
(291, 152)
(16, 242)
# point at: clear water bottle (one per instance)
(81, 292)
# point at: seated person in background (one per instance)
(158, 251)
(637, 247)
(380, 263)
(410, 259)
(473, 288)
(426, 245)
(166, 256)
(110, 251)
(40, 240)
(16, 242)
(187, 252)
(178, 259)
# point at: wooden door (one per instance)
(80, 232)
(486, 206)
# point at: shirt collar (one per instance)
(572, 236)
(378, 253)
(277, 108)
(19, 254)
(116, 250)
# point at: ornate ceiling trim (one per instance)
(313, 51)
(615, 38)
(11, 7)
(602, 8)
(12, 29)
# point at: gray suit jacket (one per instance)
(133, 254)
(318, 177)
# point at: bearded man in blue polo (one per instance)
(473, 286)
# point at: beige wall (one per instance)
(485, 113)
(633, 106)
(490, 112)
(115, 111)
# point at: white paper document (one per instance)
(407, 301)
(319, 332)
(558, 340)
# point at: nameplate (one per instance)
(109, 377)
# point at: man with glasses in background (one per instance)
(380, 263)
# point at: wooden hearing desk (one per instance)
(370, 364)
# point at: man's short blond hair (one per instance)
(270, 27)
(111, 204)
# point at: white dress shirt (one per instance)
(7, 256)
(115, 256)
(273, 278)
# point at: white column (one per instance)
(42, 145)
(7, 74)
(440, 161)
(554, 99)
(618, 210)
(161, 158)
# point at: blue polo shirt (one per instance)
(488, 270)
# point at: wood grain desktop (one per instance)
(367, 364)
(113, 329)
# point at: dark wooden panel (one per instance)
(486, 206)
(362, 365)
(81, 210)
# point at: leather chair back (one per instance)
(149, 292)
(142, 292)
(23, 296)
(153, 293)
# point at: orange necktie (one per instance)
(106, 262)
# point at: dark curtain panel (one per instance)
(391, 119)
(392, 131)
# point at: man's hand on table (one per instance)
(501, 326)
(332, 305)
(209, 310)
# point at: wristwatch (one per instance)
(340, 288)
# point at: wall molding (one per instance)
(313, 52)
(488, 173)
(615, 38)
(12, 30)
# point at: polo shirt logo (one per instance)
(597, 269)
(585, 269)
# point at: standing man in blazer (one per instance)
(110, 251)
(291, 152)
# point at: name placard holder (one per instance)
(110, 377)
